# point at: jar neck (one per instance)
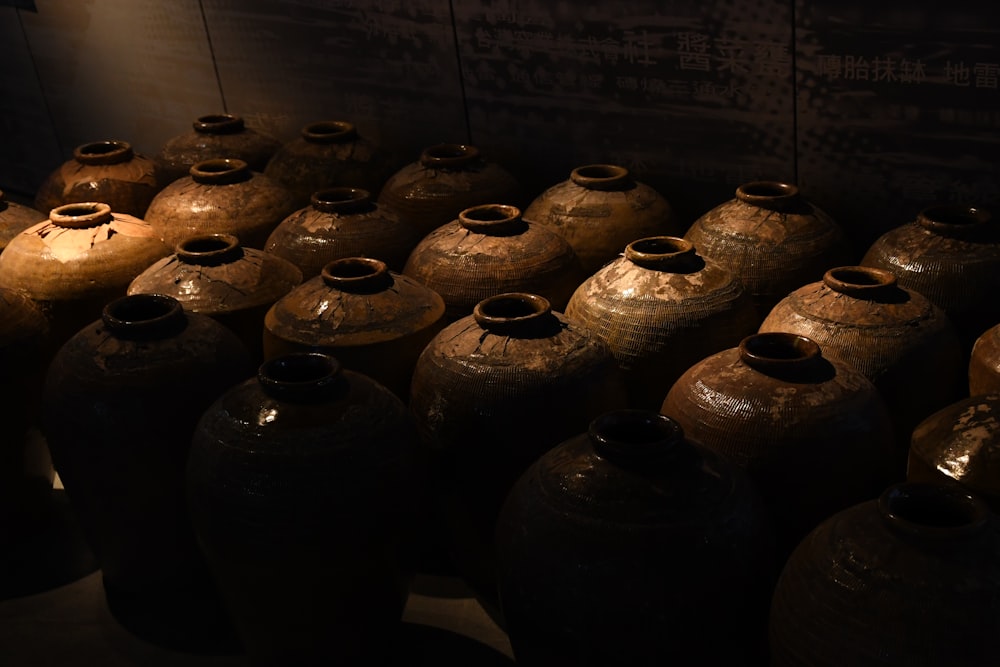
(493, 220)
(450, 156)
(341, 201)
(144, 317)
(220, 123)
(81, 215)
(955, 221)
(772, 195)
(863, 282)
(635, 438)
(669, 254)
(103, 152)
(210, 249)
(221, 171)
(329, 132)
(608, 177)
(932, 512)
(307, 377)
(516, 314)
(785, 356)
(359, 275)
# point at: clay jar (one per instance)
(489, 250)
(302, 483)
(447, 179)
(600, 210)
(222, 135)
(662, 308)
(221, 196)
(77, 261)
(812, 432)
(214, 275)
(15, 218)
(951, 255)
(984, 363)
(960, 443)
(104, 171)
(912, 578)
(329, 153)
(26, 473)
(600, 565)
(897, 338)
(121, 401)
(772, 238)
(375, 321)
(340, 223)
(491, 393)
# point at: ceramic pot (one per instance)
(447, 179)
(661, 308)
(77, 261)
(600, 209)
(103, 171)
(951, 255)
(375, 320)
(222, 135)
(341, 223)
(329, 153)
(121, 401)
(600, 566)
(216, 276)
(26, 473)
(897, 338)
(813, 433)
(772, 238)
(984, 363)
(302, 483)
(491, 393)
(15, 218)
(961, 443)
(912, 578)
(221, 196)
(489, 250)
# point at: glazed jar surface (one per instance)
(984, 363)
(15, 218)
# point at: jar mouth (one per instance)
(954, 221)
(666, 253)
(932, 510)
(329, 131)
(143, 316)
(493, 219)
(103, 152)
(219, 123)
(340, 199)
(79, 215)
(601, 177)
(357, 274)
(301, 377)
(443, 156)
(209, 249)
(787, 356)
(220, 171)
(775, 195)
(521, 314)
(634, 435)
(862, 282)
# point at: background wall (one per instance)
(874, 109)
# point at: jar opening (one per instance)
(300, 368)
(514, 305)
(354, 267)
(602, 171)
(140, 310)
(780, 346)
(102, 148)
(329, 131)
(210, 249)
(144, 316)
(203, 244)
(450, 151)
(516, 314)
(949, 215)
(78, 210)
(932, 509)
(623, 435)
(491, 213)
(661, 245)
(212, 119)
(861, 277)
(768, 189)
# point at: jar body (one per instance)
(984, 363)
(15, 218)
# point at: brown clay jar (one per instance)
(302, 484)
(104, 171)
(951, 255)
(329, 153)
(120, 405)
(912, 578)
(221, 135)
(491, 249)
(220, 196)
(632, 545)
(984, 363)
(216, 276)
(375, 321)
(491, 393)
(444, 181)
(898, 339)
(15, 218)
(661, 308)
(77, 261)
(813, 432)
(961, 443)
(600, 209)
(339, 223)
(772, 238)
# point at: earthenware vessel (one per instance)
(15, 218)
(984, 363)
(220, 135)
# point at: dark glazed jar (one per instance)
(341, 223)
(600, 210)
(772, 238)
(813, 433)
(15, 218)
(489, 250)
(221, 135)
(898, 339)
(912, 578)
(631, 545)
(121, 402)
(662, 308)
(961, 443)
(77, 261)
(375, 320)
(329, 153)
(491, 393)
(984, 363)
(951, 255)
(104, 171)
(447, 179)
(216, 276)
(221, 196)
(302, 483)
